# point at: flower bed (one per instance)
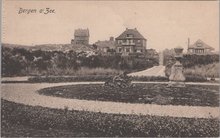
(141, 93)
(54, 79)
(39, 121)
(89, 78)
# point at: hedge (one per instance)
(56, 79)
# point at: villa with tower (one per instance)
(81, 36)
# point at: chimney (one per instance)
(188, 42)
(111, 38)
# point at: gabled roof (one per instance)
(134, 32)
(77, 47)
(200, 44)
(106, 43)
(81, 32)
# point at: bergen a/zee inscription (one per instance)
(36, 11)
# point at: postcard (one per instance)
(110, 68)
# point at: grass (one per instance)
(210, 70)
(74, 72)
(141, 93)
(85, 71)
(97, 71)
(18, 120)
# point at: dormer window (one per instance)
(129, 35)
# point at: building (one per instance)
(81, 36)
(199, 48)
(130, 41)
(105, 46)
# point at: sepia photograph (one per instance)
(74, 68)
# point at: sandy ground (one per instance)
(25, 93)
(25, 78)
(154, 71)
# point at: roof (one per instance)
(81, 32)
(106, 43)
(134, 32)
(77, 47)
(55, 47)
(200, 44)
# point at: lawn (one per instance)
(18, 120)
(141, 93)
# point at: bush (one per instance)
(150, 78)
(56, 79)
(210, 70)
(89, 78)
(205, 65)
(40, 62)
(100, 124)
(69, 79)
(192, 60)
(195, 78)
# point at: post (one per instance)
(161, 58)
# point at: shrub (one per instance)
(110, 125)
(150, 78)
(209, 70)
(69, 79)
(205, 65)
(89, 78)
(192, 60)
(195, 78)
(40, 62)
(54, 79)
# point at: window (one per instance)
(119, 49)
(127, 49)
(129, 35)
(199, 44)
(139, 50)
(129, 41)
(139, 41)
(119, 41)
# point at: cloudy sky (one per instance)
(164, 24)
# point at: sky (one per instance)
(165, 24)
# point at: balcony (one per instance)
(128, 44)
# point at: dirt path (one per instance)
(25, 93)
(154, 71)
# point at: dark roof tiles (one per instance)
(106, 43)
(200, 44)
(134, 32)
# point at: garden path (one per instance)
(154, 71)
(25, 78)
(25, 93)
